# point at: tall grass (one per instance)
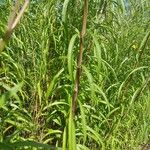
(38, 73)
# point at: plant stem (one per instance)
(13, 20)
(80, 56)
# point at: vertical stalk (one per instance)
(13, 20)
(80, 56)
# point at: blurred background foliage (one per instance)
(37, 70)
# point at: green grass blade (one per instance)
(90, 80)
(70, 56)
(64, 139)
(9, 94)
(83, 117)
(64, 11)
(71, 133)
(52, 84)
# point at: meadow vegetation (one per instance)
(38, 75)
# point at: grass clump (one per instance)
(40, 67)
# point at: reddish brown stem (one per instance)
(80, 56)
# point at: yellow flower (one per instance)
(135, 46)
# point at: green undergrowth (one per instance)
(37, 75)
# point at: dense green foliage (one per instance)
(37, 74)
